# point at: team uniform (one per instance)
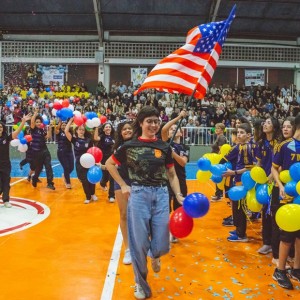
(65, 155)
(42, 156)
(148, 204)
(80, 147)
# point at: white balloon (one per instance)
(89, 123)
(15, 142)
(22, 147)
(51, 104)
(53, 111)
(77, 113)
(60, 101)
(56, 100)
(71, 107)
(87, 160)
(44, 117)
(96, 122)
(71, 98)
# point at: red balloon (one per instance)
(30, 102)
(181, 225)
(28, 138)
(65, 103)
(96, 152)
(78, 120)
(57, 105)
(84, 118)
(103, 119)
(47, 105)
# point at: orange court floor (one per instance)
(76, 253)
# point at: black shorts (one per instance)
(289, 237)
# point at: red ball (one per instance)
(78, 120)
(97, 153)
(103, 119)
(181, 225)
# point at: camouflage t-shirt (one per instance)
(146, 161)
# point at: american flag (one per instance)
(192, 66)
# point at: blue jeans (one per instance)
(148, 228)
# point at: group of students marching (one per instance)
(275, 148)
(146, 173)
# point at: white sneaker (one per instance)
(127, 257)
(155, 264)
(265, 249)
(173, 239)
(7, 204)
(139, 292)
(94, 198)
(103, 188)
(111, 200)
(87, 201)
(68, 186)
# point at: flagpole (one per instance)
(195, 88)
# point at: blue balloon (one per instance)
(20, 135)
(247, 181)
(297, 200)
(23, 141)
(295, 171)
(237, 193)
(218, 169)
(204, 164)
(66, 113)
(46, 122)
(94, 174)
(196, 205)
(8, 103)
(28, 93)
(262, 194)
(47, 89)
(89, 115)
(290, 188)
(216, 178)
(228, 165)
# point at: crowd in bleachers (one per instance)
(222, 104)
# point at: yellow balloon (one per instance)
(287, 217)
(298, 189)
(15, 127)
(203, 176)
(285, 176)
(224, 150)
(258, 174)
(251, 201)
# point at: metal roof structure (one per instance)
(255, 19)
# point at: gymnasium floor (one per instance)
(76, 252)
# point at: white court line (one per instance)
(15, 182)
(111, 274)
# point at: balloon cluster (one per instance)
(62, 109)
(21, 142)
(287, 216)
(195, 205)
(209, 167)
(89, 160)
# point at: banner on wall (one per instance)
(52, 73)
(254, 77)
(138, 75)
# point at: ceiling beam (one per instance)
(98, 21)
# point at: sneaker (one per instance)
(173, 239)
(94, 198)
(28, 178)
(7, 204)
(228, 223)
(228, 218)
(103, 188)
(68, 186)
(275, 261)
(86, 201)
(127, 257)
(235, 238)
(215, 199)
(232, 232)
(295, 273)
(33, 182)
(282, 279)
(139, 292)
(155, 263)
(265, 249)
(111, 199)
(51, 187)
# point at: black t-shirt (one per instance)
(106, 144)
(38, 139)
(81, 146)
(145, 160)
(63, 144)
(4, 149)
